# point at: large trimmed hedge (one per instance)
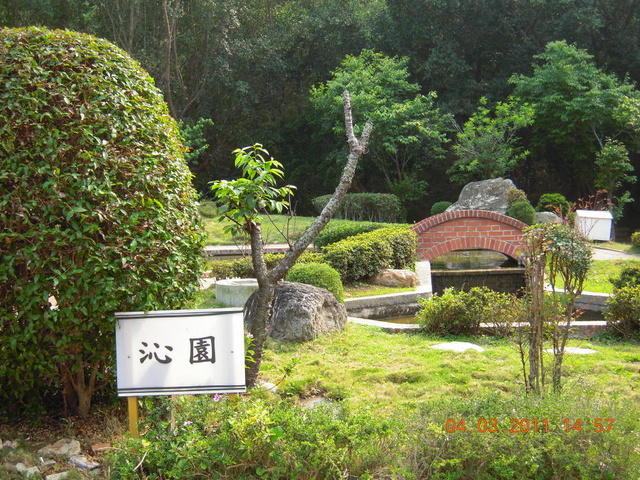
(97, 210)
(365, 255)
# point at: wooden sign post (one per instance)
(178, 352)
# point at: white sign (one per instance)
(176, 352)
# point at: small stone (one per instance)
(100, 447)
(63, 446)
(83, 462)
(9, 444)
(458, 346)
(57, 476)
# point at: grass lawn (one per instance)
(366, 367)
(601, 271)
(275, 229)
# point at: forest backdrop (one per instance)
(545, 87)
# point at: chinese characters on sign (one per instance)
(180, 352)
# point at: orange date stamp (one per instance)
(528, 425)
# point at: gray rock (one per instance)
(302, 312)
(393, 277)
(27, 472)
(547, 217)
(488, 195)
(63, 446)
(57, 476)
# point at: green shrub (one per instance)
(439, 207)
(256, 437)
(454, 312)
(97, 210)
(522, 211)
(319, 275)
(332, 234)
(525, 437)
(623, 311)
(635, 239)
(457, 312)
(515, 195)
(372, 207)
(629, 277)
(553, 202)
(365, 255)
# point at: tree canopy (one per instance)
(248, 66)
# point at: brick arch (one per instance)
(467, 229)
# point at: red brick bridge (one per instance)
(469, 229)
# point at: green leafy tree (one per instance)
(577, 106)
(97, 211)
(410, 130)
(487, 145)
(245, 200)
(613, 169)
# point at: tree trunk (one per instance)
(267, 280)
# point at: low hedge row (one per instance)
(372, 207)
(243, 268)
(363, 256)
(332, 234)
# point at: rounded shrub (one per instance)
(365, 255)
(439, 207)
(522, 211)
(629, 277)
(553, 202)
(623, 311)
(319, 275)
(635, 239)
(515, 195)
(97, 208)
(459, 312)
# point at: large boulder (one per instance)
(302, 312)
(488, 195)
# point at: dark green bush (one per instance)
(623, 311)
(335, 233)
(454, 312)
(365, 255)
(97, 210)
(629, 277)
(372, 207)
(457, 312)
(522, 211)
(319, 275)
(635, 239)
(515, 195)
(439, 207)
(553, 202)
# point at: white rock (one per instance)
(458, 346)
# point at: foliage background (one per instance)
(249, 66)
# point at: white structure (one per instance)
(179, 352)
(594, 224)
(235, 292)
